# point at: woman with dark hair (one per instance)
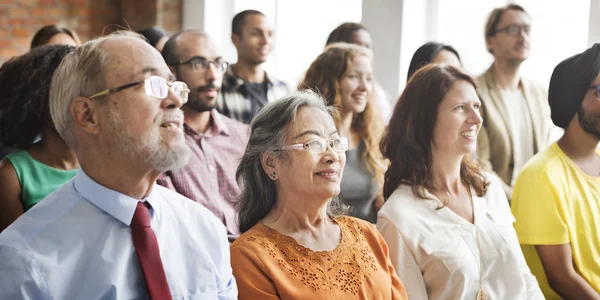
(357, 34)
(47, 35)
(343, 74)
(155, 36)
(296, 243)
(55, 34)
(433, 52)
(351, 33)
(447, 223)
(40, 165)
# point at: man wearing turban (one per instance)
(556, 199)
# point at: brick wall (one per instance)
(20, 19)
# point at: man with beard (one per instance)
(516, 117)
(556, 199)
(246, 86)
(111, 232)
(217, 142)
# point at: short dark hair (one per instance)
(425, 54)
(25, 93)
(170, 51)
(239, 20)
(344, 33)
(408, 138)
(46, 33)
(494, 19)
(153, 34)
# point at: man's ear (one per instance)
(86, 114)
(235, 39)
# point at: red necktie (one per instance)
(148, 254)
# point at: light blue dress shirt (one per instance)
(76, 244)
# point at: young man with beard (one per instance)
(516, 117)
(246, 86)
(111, 232)
(556, 200)
(217, 142)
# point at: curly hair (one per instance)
(344, 33)
(408, 138)
(324, 75)
(25, 93)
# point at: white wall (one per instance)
(398, 27)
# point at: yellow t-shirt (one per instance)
(555, 202)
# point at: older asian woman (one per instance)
(447, 223)
(296, 244)
(343, 74)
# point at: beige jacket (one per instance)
(495, 149)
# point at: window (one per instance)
(302, 28)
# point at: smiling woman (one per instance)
(448, 224)
(296, 242)
(343, 74)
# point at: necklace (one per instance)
(481, 295)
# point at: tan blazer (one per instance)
(495, 149)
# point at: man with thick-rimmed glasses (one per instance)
(217, 142)
(516, 118)
(112, 232)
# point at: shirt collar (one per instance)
(232, 82)
(217, 125)
(120, 206)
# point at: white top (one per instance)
(521, 127)
(435, 252)
(76, 244)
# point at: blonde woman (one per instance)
(343, 75)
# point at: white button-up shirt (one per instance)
(436, 253)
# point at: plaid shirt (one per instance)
(235, 101)
(209, 177)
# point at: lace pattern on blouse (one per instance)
(343, 269)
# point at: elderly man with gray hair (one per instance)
(111, 232)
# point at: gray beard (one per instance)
(149, 146)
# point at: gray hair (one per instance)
(79, 74)
(268, 133)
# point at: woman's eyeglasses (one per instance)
(319, 146)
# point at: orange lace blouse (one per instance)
(269, 265)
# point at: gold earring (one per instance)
(273, 175)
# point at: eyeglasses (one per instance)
(515, 29)
(319, 146)
(155, 86)
(597, 88)
(200, 64)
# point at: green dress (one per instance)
(37, 180)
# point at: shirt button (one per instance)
(211, 168)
